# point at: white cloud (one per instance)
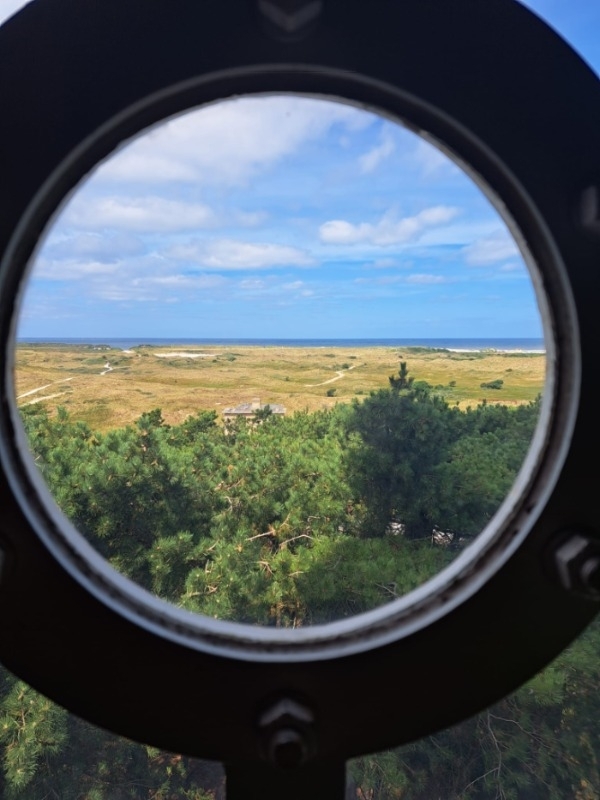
(389, 263)
(94, 246)
(39, 307)
(149, 277)
(461, 232)
(230, 141)
(371, 160)
(56, 270)
(160, 288)
(125, 293)
(383, 263)
(141, 214)
(339, 231)
(272, 288)
(230, 254)
(498, 246)
(249, 219)
(431, 159)
(127, 285)
(180, 281)
(388, 230)
(425, 278)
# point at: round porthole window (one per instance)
(276, 244)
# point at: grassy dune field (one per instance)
(109, 388)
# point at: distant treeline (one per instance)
(289, 521)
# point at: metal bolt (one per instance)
(290, 16)
(287, 749)
(589, 210)
(590, 573)
(287, 733)
(577, 564)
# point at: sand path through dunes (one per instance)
(44, 397)
(41, 388)
(339, 374)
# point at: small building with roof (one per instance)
(248, 410)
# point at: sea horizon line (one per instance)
(534, 344)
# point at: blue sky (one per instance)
(286, 217)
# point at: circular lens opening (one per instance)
(279, 360)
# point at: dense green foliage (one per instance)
(290, 521)
(541, 743)
(496, 384)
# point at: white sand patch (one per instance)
(490, 350)
(186, 355)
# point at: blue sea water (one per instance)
(507, 345)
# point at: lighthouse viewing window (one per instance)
(279, 360)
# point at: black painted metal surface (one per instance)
(506, 96)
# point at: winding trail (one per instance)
(107, 369)
(339, 374)
(41, 388)
(44, 397)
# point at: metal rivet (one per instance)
(287, 734)
(589, 210)
(287, 749)
(576, 560)
(590, 575)
(290, 15)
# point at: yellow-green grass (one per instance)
(218, 377)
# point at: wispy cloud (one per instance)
(512, 266)
(431, 160)
(251, 216)
(389, 263)
(73, 270)
(382, 263)
(272, 287)
(230, 141)
(127, 287)
(422, 278)
(388, 230)
(139, 214)
(498, 246)
(425, 278)
(94, 246)
(373, 158)
(233, 254)
(181, 281)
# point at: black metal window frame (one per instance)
(504, 96)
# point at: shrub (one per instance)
(497, 384)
